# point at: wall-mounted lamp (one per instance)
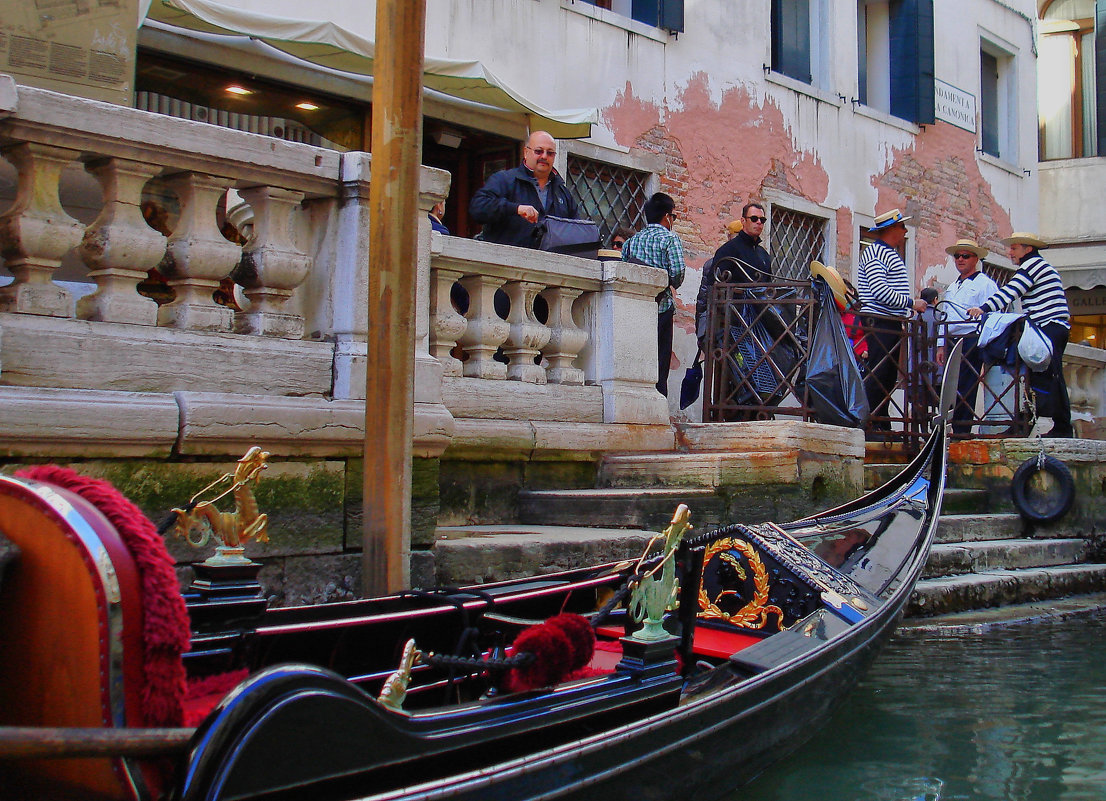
(448, 138)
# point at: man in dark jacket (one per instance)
(512, 201)
(746, 247)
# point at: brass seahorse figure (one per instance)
(232, 530)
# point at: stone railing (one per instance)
(45, 134)
(76, 334)
(523, 334)
(1085, 375)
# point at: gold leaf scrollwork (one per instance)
(755, 613)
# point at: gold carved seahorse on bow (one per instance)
(232, 530)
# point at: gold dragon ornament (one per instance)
(231, 530)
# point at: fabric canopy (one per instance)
(332, 46)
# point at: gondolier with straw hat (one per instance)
(971, 288)
(884, 286)
(1041, 291)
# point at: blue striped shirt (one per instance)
(657, 246)
(1041, 291)
(882, 281)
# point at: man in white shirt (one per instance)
(970, 289)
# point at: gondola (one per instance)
(685, 672)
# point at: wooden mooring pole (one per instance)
(393, 246)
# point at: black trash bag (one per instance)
(833, 381)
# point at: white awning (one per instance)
(330, 45)
(1082, 277)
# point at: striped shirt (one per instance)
(1041, 291)
(882, 282)
(658, 247)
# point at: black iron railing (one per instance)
(757, 345)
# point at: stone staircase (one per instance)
(985, 554)
(984, 558)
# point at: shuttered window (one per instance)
(791, 39)
(912, 78)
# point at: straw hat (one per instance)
(887, 219)
(967, 244)
(835, 281)
(734, 227)
(1024, 238)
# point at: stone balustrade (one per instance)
(47, 134)
(523, 334)
(1085, 375)
(550, 351)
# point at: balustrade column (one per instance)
(566, 338)
(527, 336)
(35, 233)
(485, 331)
(446, 323)
(120, 248)
(272, 267)
(198, 257)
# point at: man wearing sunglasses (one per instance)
(755, 264)
(970, 289)
(512, 201)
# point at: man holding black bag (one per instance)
(513, 201)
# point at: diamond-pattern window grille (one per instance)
(609, 195)
(1000, 275)
(797, 239)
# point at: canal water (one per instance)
(1016, 713)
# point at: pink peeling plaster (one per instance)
(719, 156)
(940, 175)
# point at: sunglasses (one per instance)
(541, 151)
(964, 256)
(618, 244)
(756, 219)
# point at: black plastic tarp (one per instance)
(834, 385)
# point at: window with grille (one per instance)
(611, 196)
(797, 239)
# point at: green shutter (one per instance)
(791, 38)
(1100, 73)
(912, 85)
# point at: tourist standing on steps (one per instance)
(657, 246)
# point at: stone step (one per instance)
(699, 469)
(480, 554)
(977, 621)
(960, 500)
(946, 559)
(615, 507)
(976, 527)
(949, 594)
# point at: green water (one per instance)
(1013, 714)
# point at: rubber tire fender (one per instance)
(1020, 483)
